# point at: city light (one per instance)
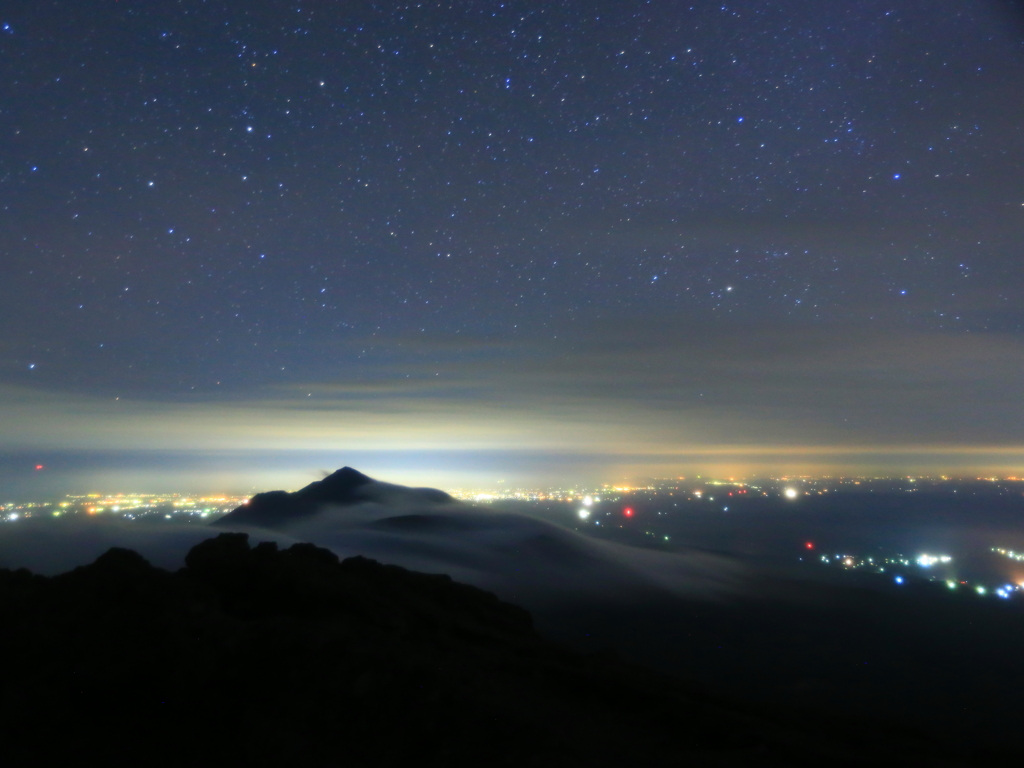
(1010, 554)
(130, 506)
(791, 493)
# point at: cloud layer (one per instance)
(737, 394)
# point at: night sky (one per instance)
(457, 242)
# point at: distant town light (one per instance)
(584, 514)
(791, 493)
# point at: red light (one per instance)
(809, 545)
(628, 512)
(39, 466)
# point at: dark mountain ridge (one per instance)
(267, 656)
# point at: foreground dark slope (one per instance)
(256, 655)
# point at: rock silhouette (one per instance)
(259, 655)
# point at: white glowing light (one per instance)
(587, 501)
(791, 493)
(584, 514)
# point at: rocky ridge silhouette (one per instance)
(268, 656)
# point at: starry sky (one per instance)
(541, 241)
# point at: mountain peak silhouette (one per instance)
(342, 488)
(341, 481)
